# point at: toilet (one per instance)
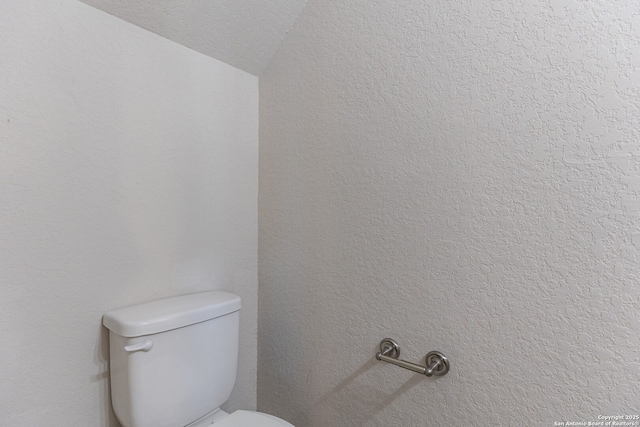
(173, 363)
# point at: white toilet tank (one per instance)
(173, 361)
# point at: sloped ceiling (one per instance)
(242, 33)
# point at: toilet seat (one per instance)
(250, 418)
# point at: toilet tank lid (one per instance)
(170, 313)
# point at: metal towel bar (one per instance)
(437, 363)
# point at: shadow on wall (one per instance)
(357, 398)
(101, 358)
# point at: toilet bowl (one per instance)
(173, 363)
(243, 418)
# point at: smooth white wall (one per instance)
(462, 177)
(128, 172)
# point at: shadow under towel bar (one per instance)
(437, 363)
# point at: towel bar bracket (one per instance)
(437, 363)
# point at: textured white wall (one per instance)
(460, 176)
(128, 172)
